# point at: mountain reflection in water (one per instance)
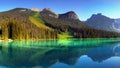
(32, 54)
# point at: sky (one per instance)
(83, 8)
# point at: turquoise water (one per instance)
(87, 53)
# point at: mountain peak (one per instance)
(69, 15)
(48, 12)
(71, 12)
(46, 9)
(99, 14)
(101, 22)
(35, 9)
(20, 10)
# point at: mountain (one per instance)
(29, 24)
(117, 23)
(101, 22)
(75, 27)
(22, 23)
(47, 12)
(117, 20)
(35, 9)
(69, 15)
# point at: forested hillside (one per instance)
(22, 23)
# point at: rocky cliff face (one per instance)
(48, 12)
(35, 9)
(101, 22)
(69, 15)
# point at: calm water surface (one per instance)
(103, 53)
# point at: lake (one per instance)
(86, 53)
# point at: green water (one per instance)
(86, 53)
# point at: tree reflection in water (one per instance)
(31, 54)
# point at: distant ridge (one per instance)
(101, 22)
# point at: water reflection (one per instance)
(74, 54)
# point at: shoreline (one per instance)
(9, 40)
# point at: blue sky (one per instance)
(83, 8)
